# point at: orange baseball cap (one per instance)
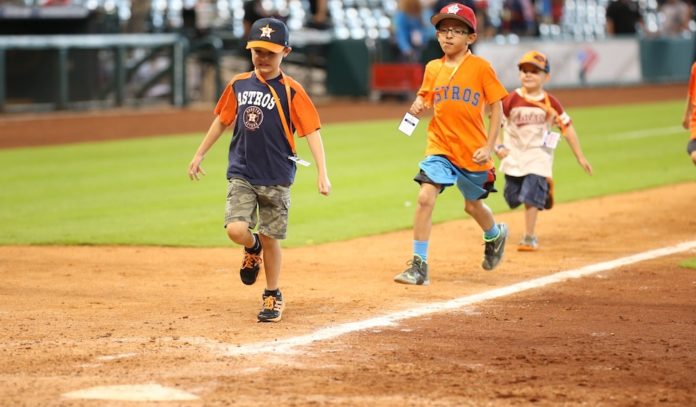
(269, 33)
(537, 59)
(458, 12)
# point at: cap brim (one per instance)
(532, 63)
(274, 48)
(435, 20)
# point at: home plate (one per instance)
(133, 392)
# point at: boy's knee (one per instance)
(237, 231)
(472, 206)
(426, 198)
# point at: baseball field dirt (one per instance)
(94, 326)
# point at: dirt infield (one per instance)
(72, 318)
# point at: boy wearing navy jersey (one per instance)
(265, 107)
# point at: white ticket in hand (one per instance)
(298, 160)
(408, 124)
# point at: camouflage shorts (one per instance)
(258, 205)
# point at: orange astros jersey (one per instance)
(458, 98)
(692, 98)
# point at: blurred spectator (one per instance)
(623, 18)
(674, 18)
(253, 10)
(411, 31)
(550, 11)
(319, 17)
(140, 20)
(518, 17)
(485, 28)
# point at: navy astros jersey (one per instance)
(259, 149)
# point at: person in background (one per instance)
(411, 33)
(528, 149)
(519, 17)
(689, 121)
(319, 16)
(674, 18)
(623, 18)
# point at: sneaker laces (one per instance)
(269, 302)
(251, 260)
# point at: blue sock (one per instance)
(491, 233)
(420, 247)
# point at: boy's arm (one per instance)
(316, 146)
(574, 144)
(214, 132)
(482, 155)
(687, 114)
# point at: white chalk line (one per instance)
(646, 133)
(289, 345)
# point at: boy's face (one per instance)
(267, 62)
(532, 78)
(454, 36)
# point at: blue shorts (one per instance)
(530, 189)
(438, 170)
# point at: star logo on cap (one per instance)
(266, 31)
(454, 9)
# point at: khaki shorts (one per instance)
(265, 207)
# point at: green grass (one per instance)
(137, 191)
(689, 263)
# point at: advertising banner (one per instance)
(573, 64)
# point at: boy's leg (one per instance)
(272, 259)
(691, 149)
(529, 241)
(417, 272)
(495, 235)
(273, 302)
(422, 219)
(274, 205)
(240, 216)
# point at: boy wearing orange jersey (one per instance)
(458, 87)
(689, 121)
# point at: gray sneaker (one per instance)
(415, 274)
(493, 252)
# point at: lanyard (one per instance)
(547, 108)
(449, 80)
(288, 133)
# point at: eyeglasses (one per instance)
(457, 32)
(532, 71)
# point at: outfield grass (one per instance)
(137, 191)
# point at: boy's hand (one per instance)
(482, 155)
(324, 185)
(585, 165)
(195, 168)
(501, 151)
(417, 107)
